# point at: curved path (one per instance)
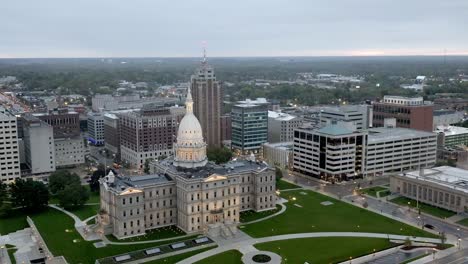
(78, 222)
(247, 245)
(282, 210)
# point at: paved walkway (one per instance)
(247, 246)
(25, 242)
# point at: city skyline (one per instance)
(262, 28)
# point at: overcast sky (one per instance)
(175, 28)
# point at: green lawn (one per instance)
(177, 258)
(373, 190)
(251, 215)
(463, 222)
(16, 220)
(85, 211)
(284, 185)
(158, 233)
(324, 249)
(338, 217)
(53, 226)
(428, 209)
(227, 257)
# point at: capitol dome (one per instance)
(190, 149)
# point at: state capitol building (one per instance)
(186, 190)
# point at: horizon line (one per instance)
(233, 57)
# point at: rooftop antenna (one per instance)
(204, 52)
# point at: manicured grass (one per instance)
(463, 222)
(16, 220)
(177, 258)
(251, 215)
(158, 233)
(227, 257)
(373, 190)
(428, 209)
(53, 226)
(284, 185)
(85, 211)
(311, 216)
(324, 250)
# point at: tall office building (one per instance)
(207, 99)
(96, 128)
(147, 134)
(9, 149)
(226, 128)
(249, 120)
(409, 112)
(39, 145)
(334, 152)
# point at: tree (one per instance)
(60, 179)
(29, 194)
(219, 155)
(73, 195)
(3, 193)
(408, 242)
(278, 173)
(146, 167)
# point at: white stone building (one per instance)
(281, 126)
(9, 149)
(278, 154)
(444, 187)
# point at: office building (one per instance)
(359, 115)
(66, 124)
(69, 152)
(70, 149)
(186, 191)
(392, 150)
(339, 152)
(451, 136)
(38, 145)
(278, 154)
(9, 148)
(207, 98)
(112, 134)
(409, 112)
(96, 128)
(146, 134)
(249, 120)
(443, 187)
(334, 153)
(281, 126)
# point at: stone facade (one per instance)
(205, 201)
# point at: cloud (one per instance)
(164, 28)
